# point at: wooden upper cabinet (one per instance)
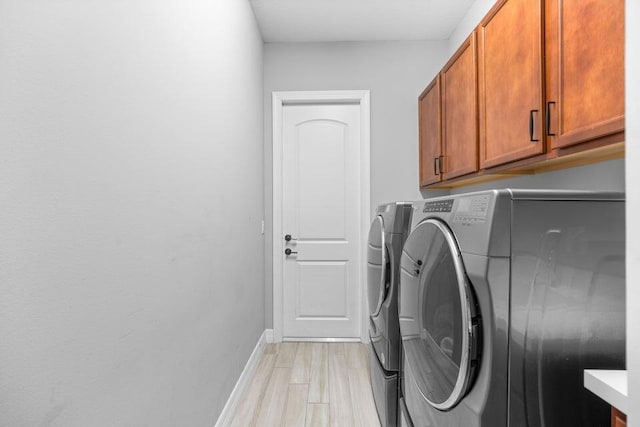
(511, 82)
(429, 116)
(459, 80)
(584, 42)
(538, 85)
(618, 419)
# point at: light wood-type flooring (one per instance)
(309, 385)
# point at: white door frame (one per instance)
(279, 100)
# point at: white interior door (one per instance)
(321, 196)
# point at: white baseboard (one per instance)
(226, 416)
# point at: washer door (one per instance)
(438, 317)
(378, 267)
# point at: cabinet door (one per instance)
(510, 79)
(584, 69)
(429, 115)
(460, 112)
(618, 419)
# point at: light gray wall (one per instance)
(394, 72)
(603, 176)
(633, 206)
(471, 19)
(131, 260)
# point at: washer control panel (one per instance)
(438, 206)
(472, 209)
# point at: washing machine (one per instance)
(505, 297)
(387, 234)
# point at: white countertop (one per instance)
(610, 386)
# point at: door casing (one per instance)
(279, 100)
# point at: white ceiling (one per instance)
(357, 20)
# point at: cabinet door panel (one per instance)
(585, 69)
(510, 78)
(429, 115)
(618, 419)
(460, 112)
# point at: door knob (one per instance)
(288, 252)
(288, 238)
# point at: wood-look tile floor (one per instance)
(309, 385)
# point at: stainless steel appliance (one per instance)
(387, 234)
(506, 296)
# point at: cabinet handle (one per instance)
(531, 126)
(547, 119)
(436, 166)
(441, 164)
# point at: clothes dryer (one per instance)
(506, 296)
(388, 231)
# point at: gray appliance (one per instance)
(387, 234)
(506, 296)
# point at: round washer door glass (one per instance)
(377, 266)
(439, 325)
